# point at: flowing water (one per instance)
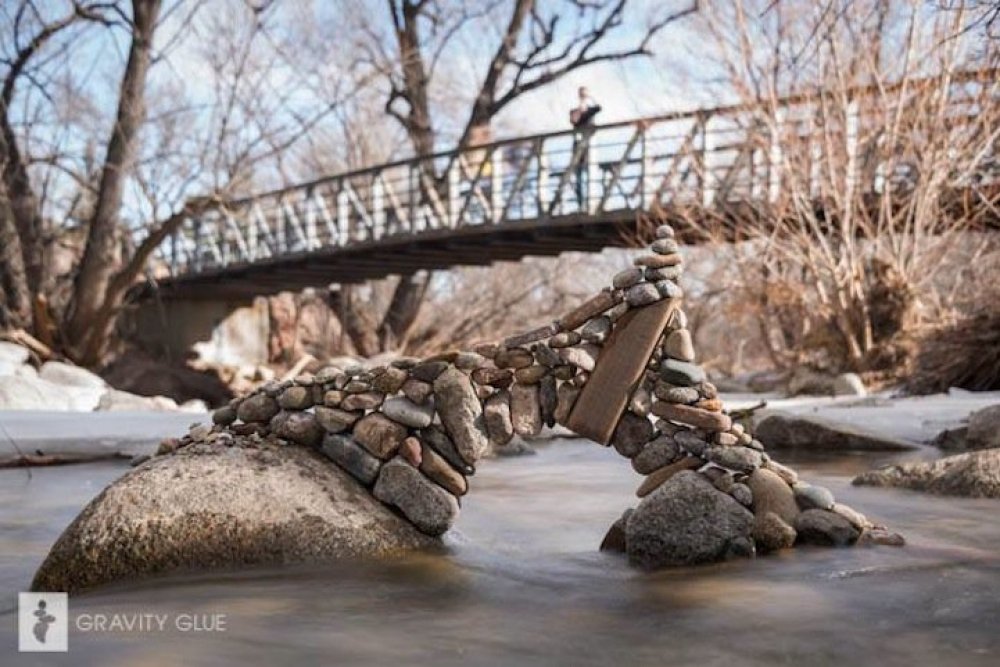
(521, 583)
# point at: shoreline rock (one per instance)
(974, 475)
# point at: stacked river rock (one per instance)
(413, 431)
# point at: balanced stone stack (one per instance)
(413, 431)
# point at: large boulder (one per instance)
(211, 506)
(684, 522)
(68, 375)
(984, 427)
(975, 474)
(782, 430)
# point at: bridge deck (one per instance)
(543, 194)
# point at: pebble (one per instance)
(428, 371)
(582, 356)
(546, 356)
(657, 453)
(564, 372)
(299, 427)
(437, 469)
(686, 414)
(257, 408)
(224, 416)
(438, 440)
(656, 479)
(664, 232)
(548, 400)
(461, 413)
(741, 493)
(642, 294)
(710, 404)
(739, 459)
(627, 278)
(350, 456)
(417, 391)
(664, 273)
(428, 507)
(403, 410)
(641, 402)
(296, 398)
(495, 377)
(335, 420)
(410, 451)
(726, 439)
(390, 380)
(616, 313)
(691, 442)
(368, 400)
(379, 435)
(566, 395)
(665, 246)
(596, 330)
(564, 339)
(332, 398)
(631, 434)
(496, 415)
(810, 496)
(668, 392)
(525, 413)
(530, 374)
(681, 373)
(659, 261)
(668, 289)
(488, 350)
(772, 533)
(678, 345)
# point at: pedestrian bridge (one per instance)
(549, 193)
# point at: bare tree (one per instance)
(538, 44)
(870, 132)
(252, 106)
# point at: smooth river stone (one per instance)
(642, 294)
(257, 408)
(657, 453)
(296, 398)
(297, 426)
(631, 434)
(681, 373)
(379, 435)
(525, 412)
(440, 471)
(546, 356)
(592, 307)
(664, 232)
(686, 414)
(596, 330)
(664, 273)
(656, 479)
(659, 261)
(496, 414)
(352, 457)
(335, 420)
(417, 391)
(671, 394)
(581, 356)
(665, 246)
(368, 400)
(626, 278)
(514, 358)
(566, 396)
(403, 410)
(493, 377)
(740, 459)
(461, 414)
(530, 374)
(438, 440)
(668, 289)
(390, 380)
(679, 346)
(548, 400)
(428, 507)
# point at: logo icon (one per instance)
(42, 622)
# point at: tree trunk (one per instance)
(15, 295)
(101, 257)
(403, 310)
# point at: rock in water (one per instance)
(461, 413)
(779, 430)
(684, 522)
(211, 506)
(976, 474)
(431, 509)
(825, 528)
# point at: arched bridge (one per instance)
(545, 194)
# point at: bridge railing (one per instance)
(706, 158)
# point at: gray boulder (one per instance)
(781, 430)
(984, 427)
(684, 522)
(211, 506)
(431, 509)
(974, 474)
(825, 529)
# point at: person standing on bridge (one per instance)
(581, 117)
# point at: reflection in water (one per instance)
(521, 583)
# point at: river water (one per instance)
(521, 583)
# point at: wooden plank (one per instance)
(619, 370)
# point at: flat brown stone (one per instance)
(619, 371)
(686, 414)
(655, 479)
